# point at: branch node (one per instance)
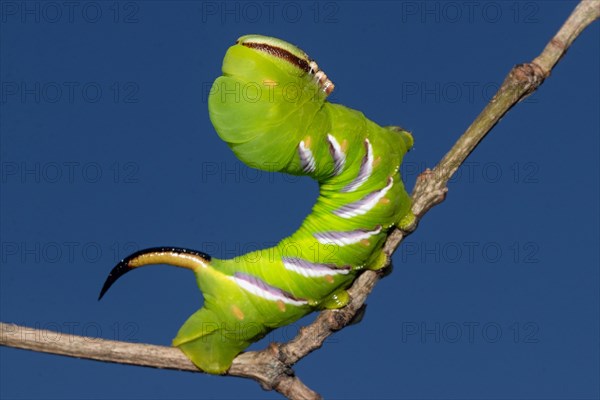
(528, 76)
(336, 320)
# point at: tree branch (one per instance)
(272, 367)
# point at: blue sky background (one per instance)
(107, 148)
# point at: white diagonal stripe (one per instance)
(272, 295)
(311, 270)
(339, 158)
(366, 168)
(345, 238)
(365, 204)
(307, 159)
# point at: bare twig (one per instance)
(262, 366)
(272, 367)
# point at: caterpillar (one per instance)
(270, 106)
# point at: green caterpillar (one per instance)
(270, 107)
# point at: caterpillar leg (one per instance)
(335, 300)
(407, 221)
(211, 340)
(380, 262)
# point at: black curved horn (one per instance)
(154, 255)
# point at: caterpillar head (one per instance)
(289, 58)
(266, 99)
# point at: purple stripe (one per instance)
(366, 167)
(262, 285)
(339, 159)
(308, 269)
(365, 204)
(343, 238)
(307, 160)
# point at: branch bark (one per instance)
(272, 367)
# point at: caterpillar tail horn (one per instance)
(176, 256)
